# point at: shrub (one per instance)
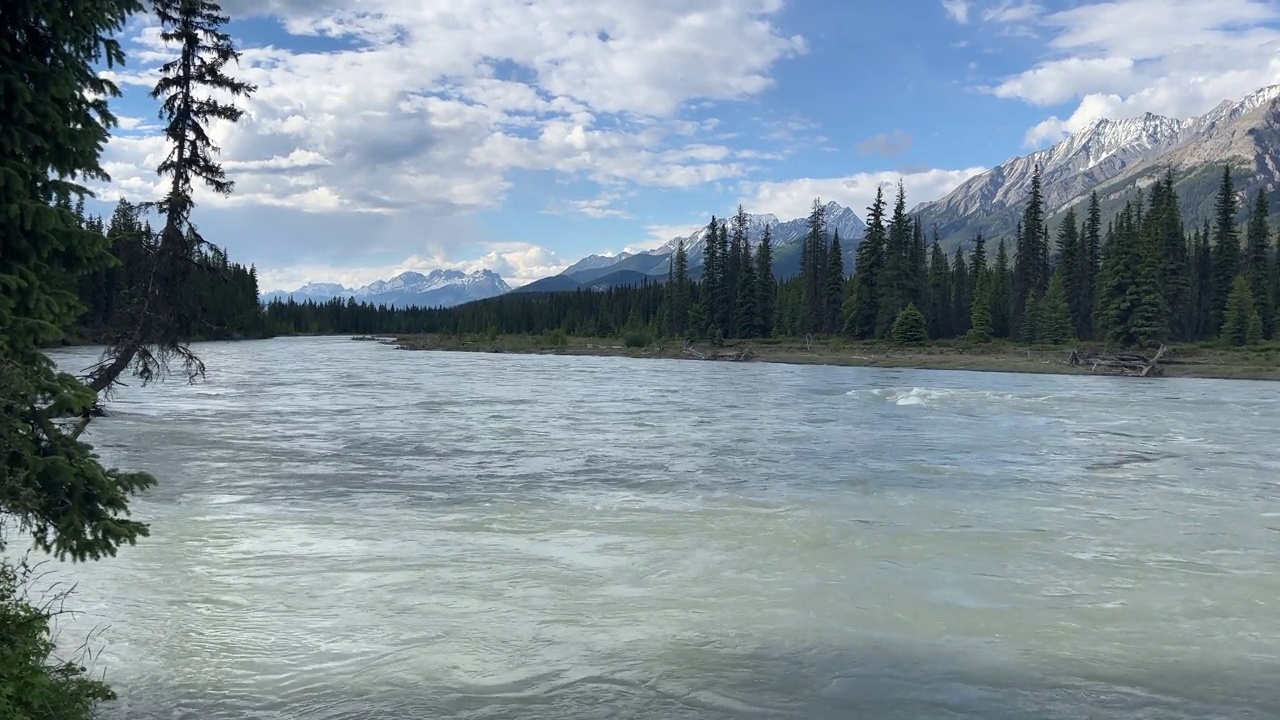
(637, 339)
(555, 338)
(909, 327)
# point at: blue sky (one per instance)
(413, 134)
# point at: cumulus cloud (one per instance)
(891, 144)
(432, 104)
(792, 199)
(1122, 58)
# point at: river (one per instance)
(345, 530)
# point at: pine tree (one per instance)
(862, 306)
(1242, 325)
(939, 307)
(1258, 263)
(1131, 306)
(909, 327)
(766, 285)
(834, 286)
(1054, 324)
(1225, 252)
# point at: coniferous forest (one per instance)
(1137, 278)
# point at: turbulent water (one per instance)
(344, 530)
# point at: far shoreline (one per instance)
(1191, 361)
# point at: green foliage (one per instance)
(1258, 264)
(909, 327)
(1242, 325)
(555, 338)
(637, 339)
(34, 684)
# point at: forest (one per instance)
(219, 300)
(1142, 277)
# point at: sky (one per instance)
(520, 136)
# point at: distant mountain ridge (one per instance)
(439, 288)
(786, 240)
(1117, 158)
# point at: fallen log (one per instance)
(1121, 363)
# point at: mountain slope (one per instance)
(1117, 158)
(439, 288)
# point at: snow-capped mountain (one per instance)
(1108, 151)
(439, 288)
(786, 237)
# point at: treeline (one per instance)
(1139, 278)
(219, 298)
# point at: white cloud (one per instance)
(1123, 58)
(792, 199)
(957, 10)
(434, 105)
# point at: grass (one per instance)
(1261, 362)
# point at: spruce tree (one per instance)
(1074, 269)
(813, 271)
(1167, 237)
(961, 292)
(746, 307)
(980, 319)
(862, 306)
(909, 327)
(678, 291)
(834, 282)
(1258, 263)
(1202, 283)
(54, 121)
(894, 284)
(156, 317)
(1000, 293)
(1225, 253)
(733, 263)
(1031, 260)
(1054, 324)
(1242, 325)
(939, 309)
(765, 283)
(1091, 239)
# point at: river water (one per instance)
(344, 530)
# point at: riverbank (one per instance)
(1257, 363)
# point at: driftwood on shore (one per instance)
(741, 355)
(1121, 363)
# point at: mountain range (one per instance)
(1115, 158)
(603, 271)
(439, 288)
